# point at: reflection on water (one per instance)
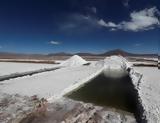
(116, 93)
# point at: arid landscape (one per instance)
(107, 89)
(79, 61)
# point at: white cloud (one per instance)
(109, 24)
(54, 42)
(0, 47)
(102, 23)
(146, 19)
(143, 20)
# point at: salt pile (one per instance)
(74, 61)
(114, 66)
(117, 62)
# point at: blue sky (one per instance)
(46, 26)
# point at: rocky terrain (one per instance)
(18, 109)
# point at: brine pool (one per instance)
(118, 93)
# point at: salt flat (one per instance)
(49, 83)
(7, 68)
(58, 82)
(149, 90)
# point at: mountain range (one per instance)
(7, 55)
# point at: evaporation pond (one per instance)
(111, 92)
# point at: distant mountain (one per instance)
(115, 52)
(6, 55)
(86, 54)
(60, 54)
(70, 54)
(124, 53)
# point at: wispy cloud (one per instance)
(91, 10)
(142, 20)
(137, 45)
(145, 19)
(126, 3)
(0, 47)
(79, 23)
(94, 9)
(54, 42)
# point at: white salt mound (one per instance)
(114, 66)
(117, 62)
(74, 61)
